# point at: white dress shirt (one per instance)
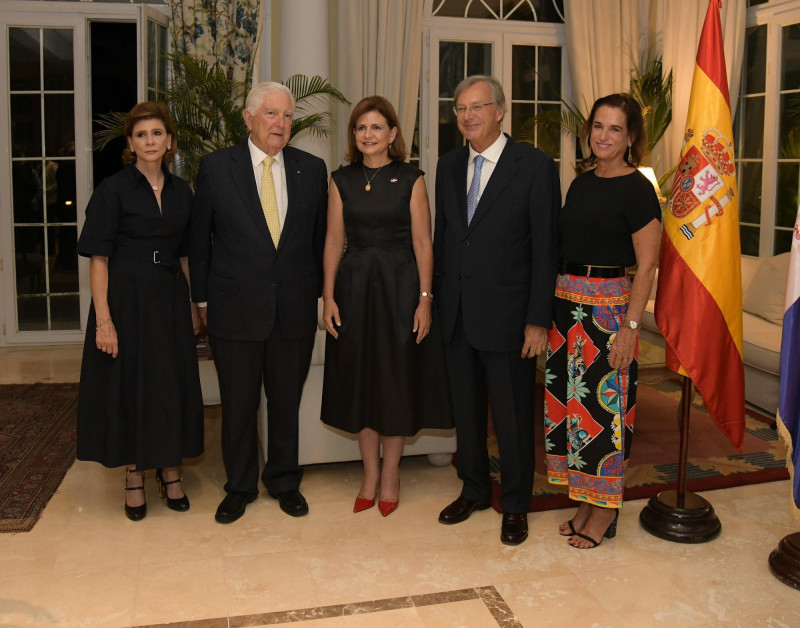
(491, 155)
(278, 176)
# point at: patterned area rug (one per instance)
(713, 462)
(37, 447)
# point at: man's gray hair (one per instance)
(261, 90)
(498, 97)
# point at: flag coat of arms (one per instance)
(699, 299)
(789, 396)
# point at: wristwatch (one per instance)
(634, 325)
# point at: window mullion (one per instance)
(769, 176)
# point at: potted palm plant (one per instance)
(207, 108)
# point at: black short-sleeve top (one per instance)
(599, 216)
(123, 216)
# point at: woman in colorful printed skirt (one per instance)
(610, 221)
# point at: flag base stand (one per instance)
(784, 562)
(692, 522)
(679, 516)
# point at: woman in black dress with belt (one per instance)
(384, 368)
(140, 400)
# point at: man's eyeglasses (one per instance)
(460, 110)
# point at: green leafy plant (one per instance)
(207, 107)
(653, 91)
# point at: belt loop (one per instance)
(156, 257)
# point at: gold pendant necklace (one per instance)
(368, 187)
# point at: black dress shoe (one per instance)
(460, 510)
(232, 507)
(292, 502)
(515, 528)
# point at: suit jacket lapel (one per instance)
(294, 188)
(460, 183)
(244, 179)
(504, 172)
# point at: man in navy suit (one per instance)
(494, 278)
(259, 271)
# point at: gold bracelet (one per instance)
(101, 323)
(427, 294)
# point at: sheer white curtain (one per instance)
(604, 40)
(679, 34)
(380, 52)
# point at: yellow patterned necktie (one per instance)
(269, 202)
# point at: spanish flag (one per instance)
(699, 300)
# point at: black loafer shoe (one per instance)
(232, 507)
(292, 502)
(515, 528)
(460, 510)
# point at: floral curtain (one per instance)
(222, 32)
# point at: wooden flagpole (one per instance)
(675, 515)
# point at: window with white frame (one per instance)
(767, 128)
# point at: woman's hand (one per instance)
(330, 314)
(195, 319)
(621, 354)
(106, 339)
(422, 318)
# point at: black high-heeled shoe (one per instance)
(135, 513)
(181, 504)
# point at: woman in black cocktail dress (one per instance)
(384, 368)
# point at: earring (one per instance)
(169, 146)
(628, 156)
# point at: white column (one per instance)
(304, 49)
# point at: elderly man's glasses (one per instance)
(461, 110)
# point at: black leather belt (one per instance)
(602, 272)
(156, 257)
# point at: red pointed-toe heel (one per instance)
(362, 503)
(387, 508)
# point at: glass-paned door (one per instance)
(47, 98)
(41, 84)
(457, 60)
(767, 129)
(749, 139)
(535, 89)
(787, 201)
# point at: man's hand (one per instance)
(535, 341)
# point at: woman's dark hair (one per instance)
(150, 110)
(397, 149)
(633, 114)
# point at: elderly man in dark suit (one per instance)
(494, 278)
(257, 234)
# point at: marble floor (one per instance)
(85, 564)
